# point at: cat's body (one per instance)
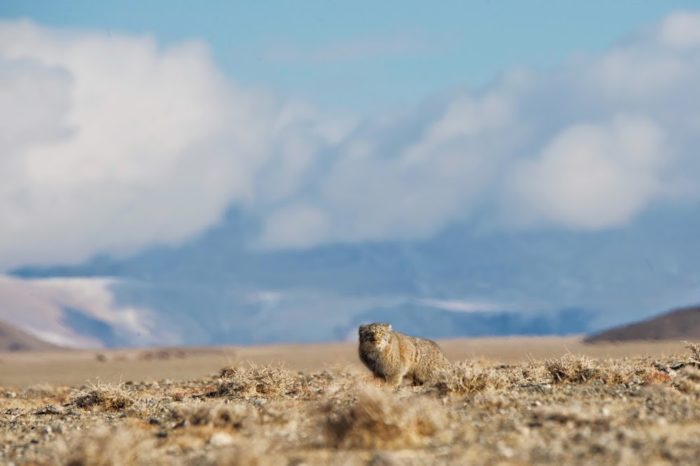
(393, 355)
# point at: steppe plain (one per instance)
(507, 401)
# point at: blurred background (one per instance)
(197, 173)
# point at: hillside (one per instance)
(679, 324)
(14, 339)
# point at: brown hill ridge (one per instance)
(14, 339)
(679, 324)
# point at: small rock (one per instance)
(221, 439)
(50, 409)
(57, 428)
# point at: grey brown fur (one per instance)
(393, 355)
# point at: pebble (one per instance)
(50, 409)
(221, 439)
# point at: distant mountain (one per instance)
(435, 323)
(80, 312)
(217, 289)
(679, 324)
(14, 339)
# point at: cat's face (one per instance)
(374, 336)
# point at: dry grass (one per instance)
(573, 409)
(373, 420)
(103, 397)
(694, 348)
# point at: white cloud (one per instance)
(399, 179)
(681, 29)
(593, 176)
(587, 146)
(455, 305)
(111, 144)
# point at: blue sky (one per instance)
(318, 152)
(365, 55)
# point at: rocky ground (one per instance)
(570, 410)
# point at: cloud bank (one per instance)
(587, 146)
(112, 144)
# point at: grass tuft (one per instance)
(572, 369)
(466, 379)
(694, 349)
(258, 381)
(376, 418)
(106, 397)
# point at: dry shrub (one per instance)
(464, 379)
(629, 372)
(260, 381)
(113, 447)
(378, 419)
(532, 373)
(688, 380)
(571, 368)
(580, 370)
(162, 354)
(694, 349)
(106, 397)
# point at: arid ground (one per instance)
(506, 401)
